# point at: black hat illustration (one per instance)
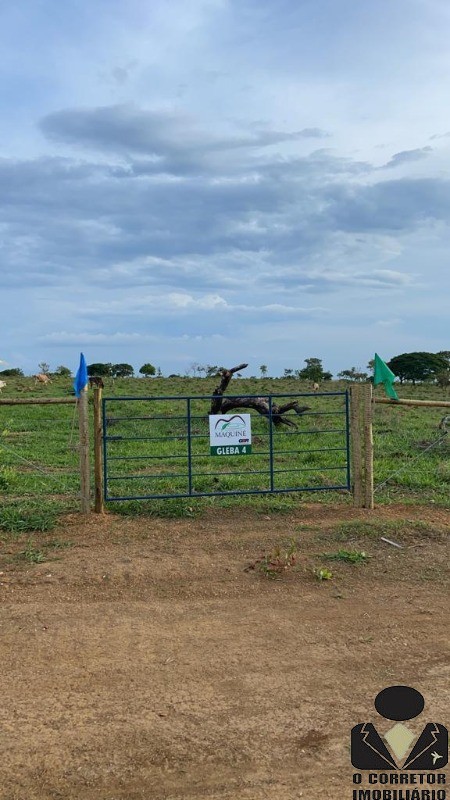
(399, 703)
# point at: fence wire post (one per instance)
(83, 424)
(98, 461)
(368, 446)
(356, 445)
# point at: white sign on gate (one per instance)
(230, 434)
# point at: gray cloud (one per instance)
(141, 232)
(327, 280)
(68, 217)
(314, 133)
(440, 136)
(389, 205)
(170, 142)
(265, 220)
(408, 156)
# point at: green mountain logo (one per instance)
(230, 425)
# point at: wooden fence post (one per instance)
(368, 445)
(83, 424)
(356, 445)
(98, 451)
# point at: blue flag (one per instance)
(81, 378)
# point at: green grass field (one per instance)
(39, 459)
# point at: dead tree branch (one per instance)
(221, 405)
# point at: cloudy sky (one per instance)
(216, 181)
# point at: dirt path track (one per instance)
(143, 661)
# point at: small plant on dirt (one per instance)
(275, 563)
(349, 556)
(59, 544)
(323, 574)
(31, 554)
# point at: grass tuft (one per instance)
(19, 518)
(31, 554)
(8, 478)
(349, 556)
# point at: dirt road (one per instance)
(141, 659)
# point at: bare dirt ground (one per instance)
(144, 661)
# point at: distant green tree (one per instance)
(102, 370)
(353, 375)
(44, 368)
(211, 370)
(13, 372)
(420, 366)
(371, 364)
(263, 369)
(122, 371)
(65, 372)
(288, 373)
(442, 378)
(313, 371)
(445, 354)
(147, 370)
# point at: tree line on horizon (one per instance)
(413, 367)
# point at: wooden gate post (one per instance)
(98, 451)
(368, 445)
(83, 424)
(356, 445)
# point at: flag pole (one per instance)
(356, 445)
(368, 445)
(98, 454)
(83, 424)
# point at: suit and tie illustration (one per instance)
(428, 751)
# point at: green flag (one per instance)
(382, 374)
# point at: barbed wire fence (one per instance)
(416, 473)
(39, 451)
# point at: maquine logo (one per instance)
(233, 427)
(401, 764)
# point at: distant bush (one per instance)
(15, 372)
(63, 371)
(147, 370)
(100, 369)
(122, 371)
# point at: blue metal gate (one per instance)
(158, 447)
